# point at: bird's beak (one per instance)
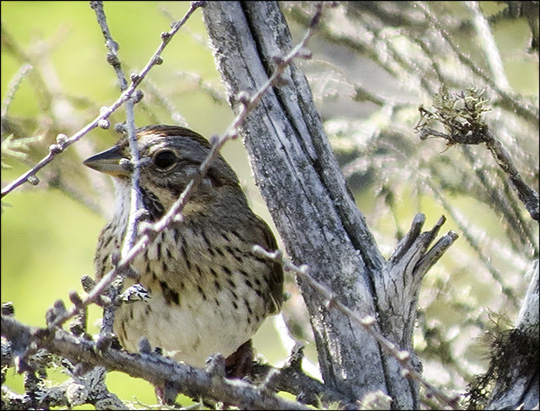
(108, 162)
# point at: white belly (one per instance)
(190, 332)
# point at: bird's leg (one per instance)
(240, 363)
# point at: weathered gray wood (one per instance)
(519, 386)
(284, 162)
(314, 212)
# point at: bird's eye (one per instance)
(165, 159)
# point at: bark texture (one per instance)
(314, 211)
(516, 363)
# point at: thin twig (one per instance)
(467, 229)
(500, 192)
(174, 213)
(12, 89)
(521, 108)
(489, 46)
(42, 92)
(527, 195)
(367, 323)
(155, 369)
(136, 196)
(114, 60)
(136, 80)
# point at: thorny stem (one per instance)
(106, 112)
(136, 199)
(114, 60)
(173, 214)
(367, 322)
(156, 369)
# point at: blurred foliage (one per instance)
(55, 78)
(374, 64)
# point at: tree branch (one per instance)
(153, 368)
(368, 323)
(293, 163)
(62, 142)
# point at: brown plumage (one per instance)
(209, 291)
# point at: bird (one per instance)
(209, 291)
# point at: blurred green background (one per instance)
(49, 231)
(48, 236)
